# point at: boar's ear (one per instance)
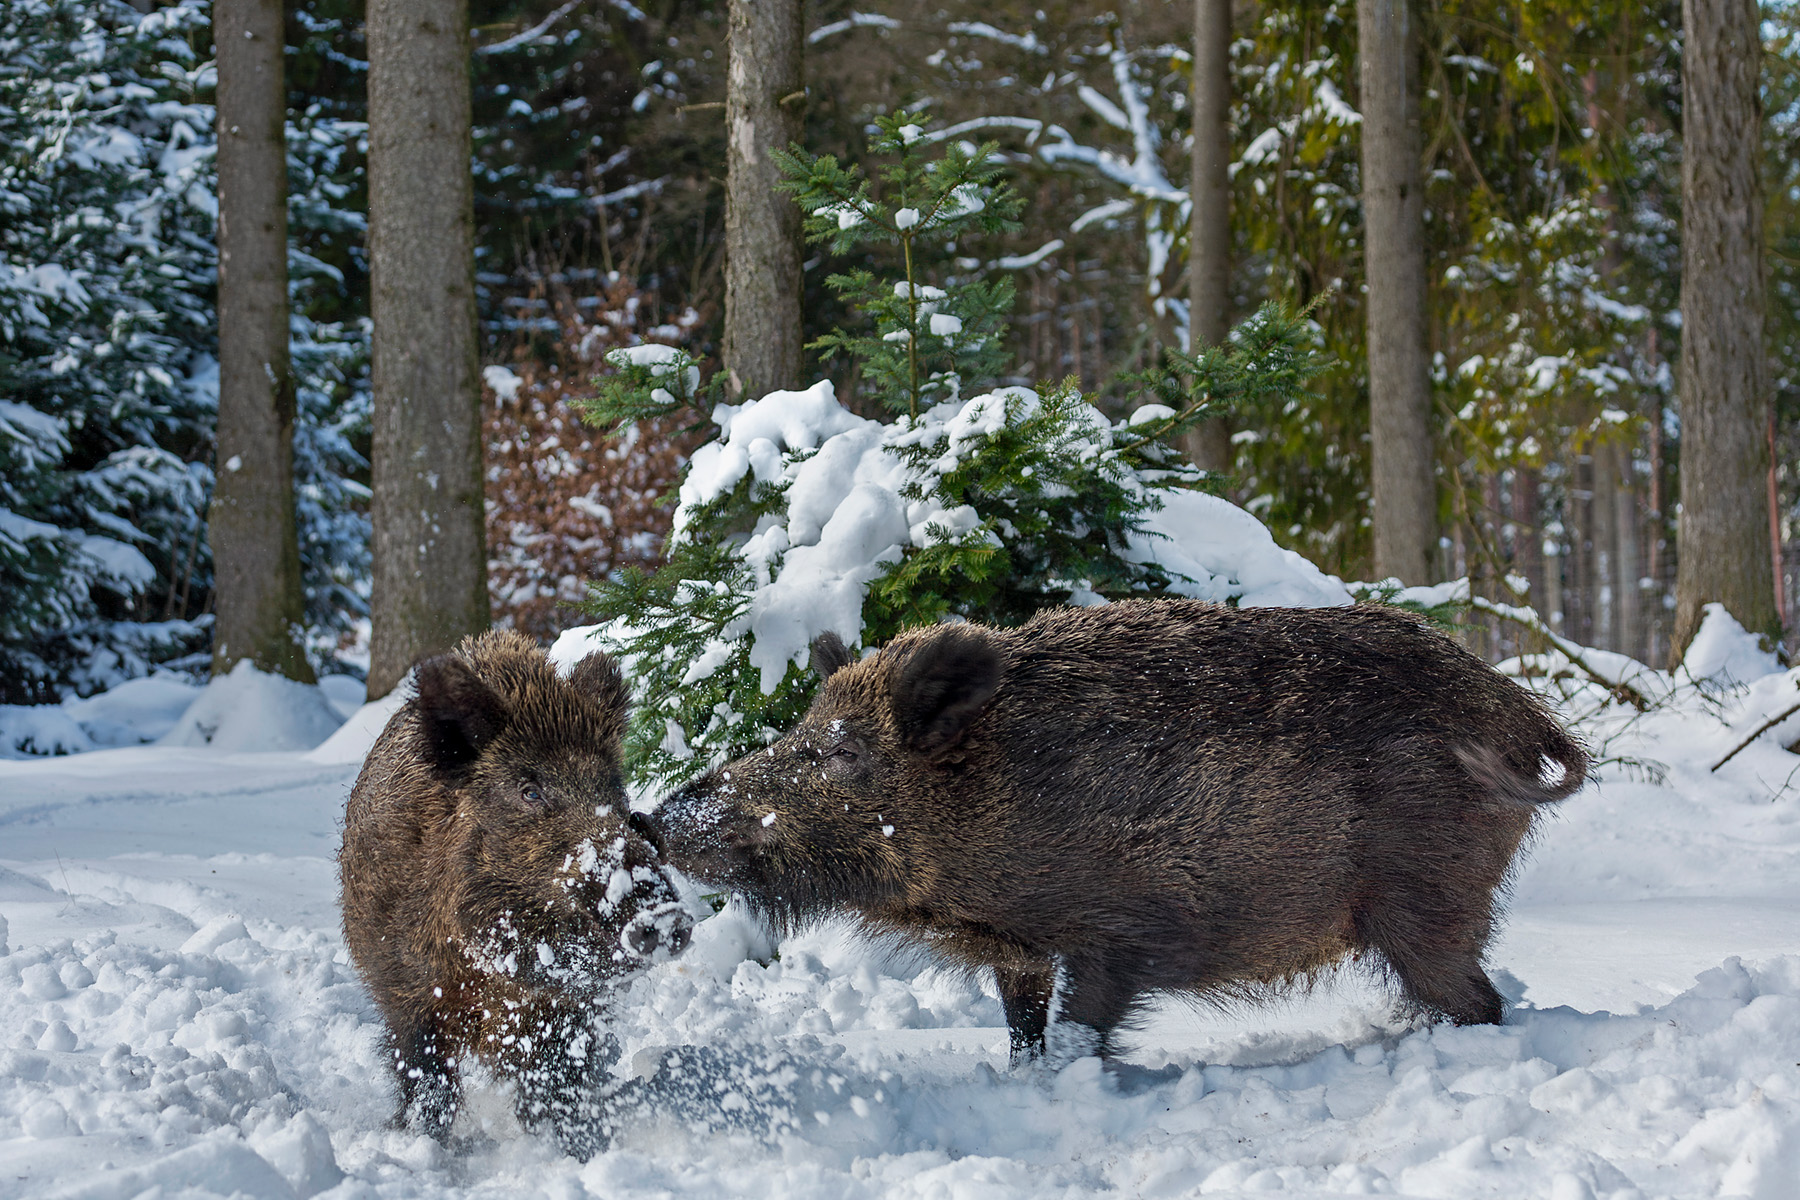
(458, 713)
(829, 656)
(943, 686)
(597, 677)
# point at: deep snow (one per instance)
(176, 1012)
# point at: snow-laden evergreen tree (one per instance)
(330, 361)
(106, 264)
(108, 382)
(973, 501)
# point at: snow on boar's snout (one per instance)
(1151, 795)
(496, 888)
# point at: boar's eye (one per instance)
(843, 758)
(531, 796)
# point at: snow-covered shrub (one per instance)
(802, 517)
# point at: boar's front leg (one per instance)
(1095, 995)
(558, 1069)
(430, 1091)
(1025, 995)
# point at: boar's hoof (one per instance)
(1066, 1041)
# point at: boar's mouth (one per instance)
(706, 836)
(786, 876)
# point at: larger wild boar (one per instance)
(496, 886)
(1153, 795)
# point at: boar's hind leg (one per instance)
(1437, 959)
(1025, 994)
(429, 1089)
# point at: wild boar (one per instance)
(495, 886)
(1148, 796)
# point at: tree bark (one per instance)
(764, 94)
(1605, 509)
(1628, 533)
(251, 525)
(1208, 444)
(430, 559)
(1403, 489)
(1722, 543)
(1528, 544)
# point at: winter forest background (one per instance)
(1552, 157)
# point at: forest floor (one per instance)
(177, 1012)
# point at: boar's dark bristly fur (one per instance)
(1153, 795)
(496, 886)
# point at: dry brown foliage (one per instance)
(566, 505)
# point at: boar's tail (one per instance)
(1505, 782)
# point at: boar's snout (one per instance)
(703, 833)
(654, 934)
(625, 891)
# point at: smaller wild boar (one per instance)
(1152, 795)
(496, 886)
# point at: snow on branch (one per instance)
(530, 35)
(1104, 108)
(1018, 262)
(1618, 685)
(631, 11)
(1143, 174)
(1330, 104)
(1027, 42)
(1032, 127)
(643, 187)
(1103, 212)
(855, 20)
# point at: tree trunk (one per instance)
(1656, 559)
(430, 559)
(1627, 534)
(1528, 546)
(1578, 595)
(763, 97)
(256, 550)
(1607, 634)
(1403, 490)
(1722, 547)
(1555, 604)
(1208, 444)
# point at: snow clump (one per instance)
(250, 710)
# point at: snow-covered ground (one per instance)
(177, 1012)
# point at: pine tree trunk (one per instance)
(1722, 547)
(1656, 623)
(1554, 611)
(1607, 634)
(1627, 533)
(1578, 597)
(251, 525)
(430, 559)
(1528, 543)
(1208, 444)
(763, 98)
(1403, 491)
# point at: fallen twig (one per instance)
(1529, 619)
(1767, 725)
